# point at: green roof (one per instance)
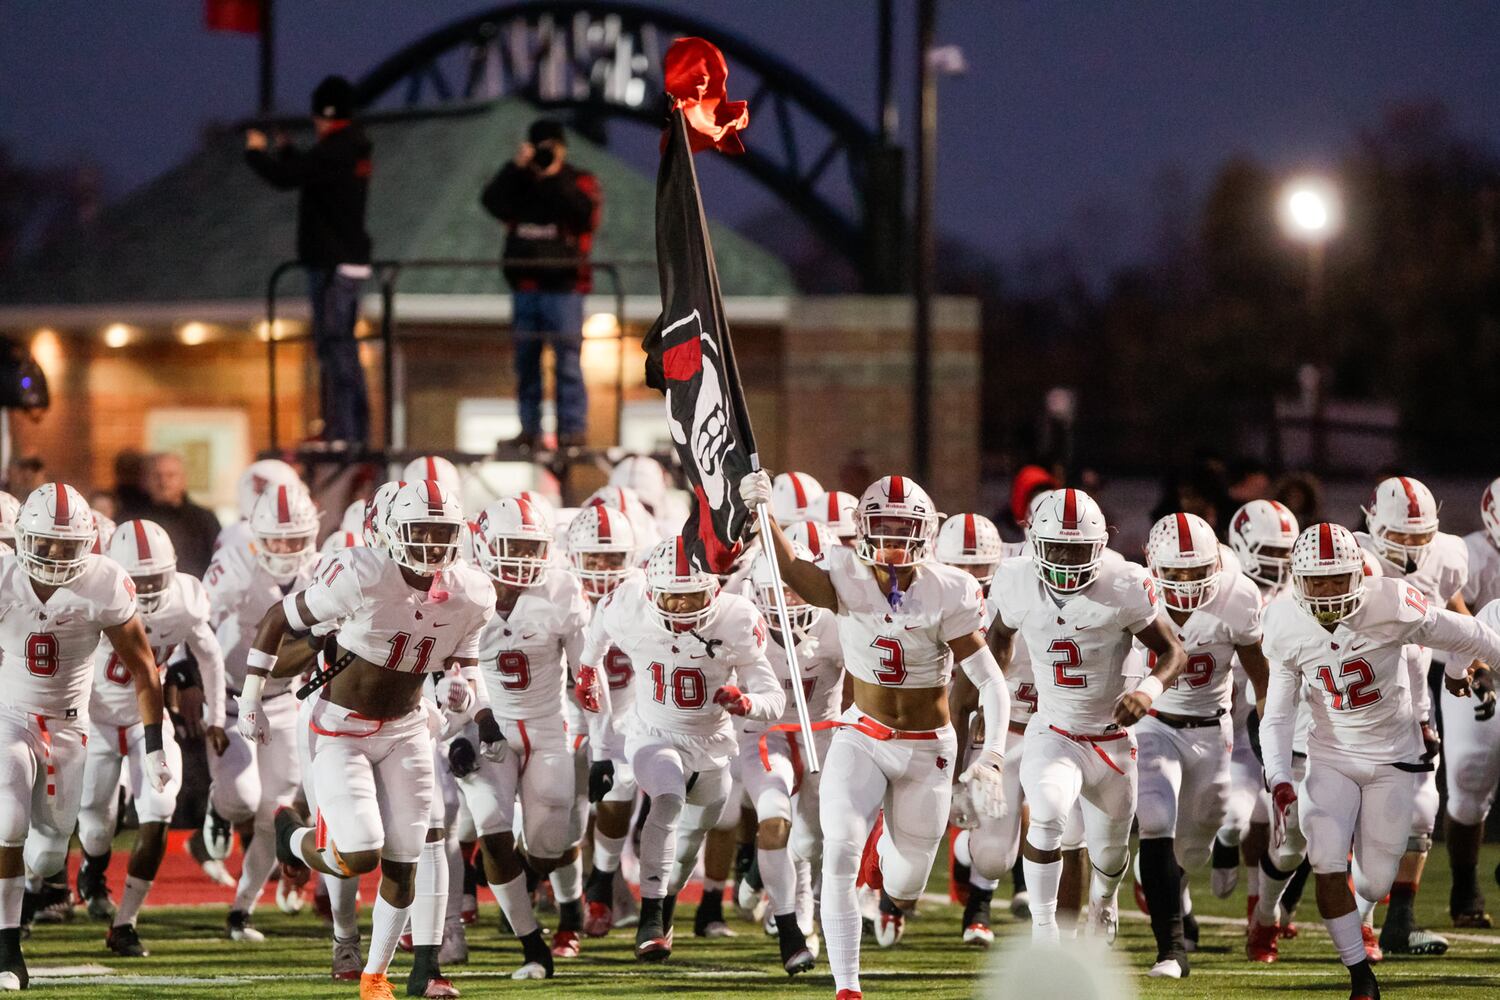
(210, 229)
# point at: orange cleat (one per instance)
(374, 986)
(1372, 943)
(1260, 946)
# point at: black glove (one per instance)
(601, 779)
(1252, 729)
(463, 759)
(1431, 741)
(1483, 686)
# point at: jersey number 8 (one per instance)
(41, 654)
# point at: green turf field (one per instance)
(191, 960)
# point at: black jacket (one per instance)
(334, 175)
(545, 217)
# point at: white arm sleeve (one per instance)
(982, 668)
(205, 648)
(471, 673)
(1277, 728)
(757, 681)
(1463, 637)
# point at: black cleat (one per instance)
(125, 942)
(12, 964)
(795, 955)
(536, 952)
(653, 941)
(288, 822)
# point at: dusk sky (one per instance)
(1067, 112)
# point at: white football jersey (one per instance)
(1209, 636)
(820, 660)
(523, 655)
(1483, 585)
(1441, 572)
(905, 646)
(181, 620)
(384, 621)
(1023, 696)
(240, 591)
(1079, 648)
(619, 674)
(1356, 679)
(47, 650)
(677, 673)
(234, 536)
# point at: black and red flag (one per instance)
(689, 357)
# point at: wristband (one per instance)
(153, 737)
(1151, 687)
(261, 661)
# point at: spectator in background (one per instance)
(1249, 479)
(334, 177)
(550, 210)
(1029, 481)
(1303, 496)
(130, 488)
(24, 474)
(192, 528)
(103, 502)
(1199, 490)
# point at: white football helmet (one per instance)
(54, 534)
(1068, 533)
(104, 530)
(763, 595)
(967, 540)
(1328, 551)
(796, 496)
(896, 523)
(814, 536)
(1183, 557)
(435, 467)
(1489, 511)
(513, 541)
(1402, 507)
(541, 503)
(9, 508)
(259, 477)
(1262, 534)
(837, 511)
(671, 574)
(423, 522)
(341, 540)
(645, 475)
(373, 530)
(354, 517)
(145, 550)
(284, 525)
(601, 544)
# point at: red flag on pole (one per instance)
(242, 16)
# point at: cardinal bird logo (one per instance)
(942, 763)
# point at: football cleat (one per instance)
(100, 907)
(9, 981)
(406, 943)
(796, 956)
(468, 908)
(291, 895)
(1020, 905)
(597, 919)
(123, 941)
(455, 947)
(565, 944)
(347, 963)
(218, 835)
(1418, 941)
(374, 986)
(1167, 968)
(238, 928)
(1373, 950)
(439, 988)
(1474, 918)
(1102, 922)
(531, 970)
(849, 995)
(653, 942)
(1260, 945)
(889, 928)
(1288, 930)
(979, 934)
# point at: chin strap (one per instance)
(894, 594)
(708, 644)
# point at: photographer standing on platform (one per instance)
(550, 210)
(334, 177)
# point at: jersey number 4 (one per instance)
(1358, 693)
(689, 686)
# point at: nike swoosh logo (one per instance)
(1080, 628)
(441, 624)
(911, 628)
(698, 656)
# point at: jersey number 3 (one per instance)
(892, 660)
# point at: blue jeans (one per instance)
(341, 381)
(539, 319)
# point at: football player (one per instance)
(369, 759)
(1340, 641)
(1185, 739)
(174, 609)
(252, 780)
(903, 621)
(258, 477)
(57, 598)
(796, 496)
(707, 664)
(1403, 537)
(1078, 613)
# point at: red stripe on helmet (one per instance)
(971, 543)
(797, 490)
(1325, 541)
(1070, 510)
(434, 498)
(1184, 536)
(1284, 514)
(431, 468)
(1413, 505)
(60, 518)
(525, 509)
(897, 490)
(684, 568)
(283, 506)
(813, 545)
(142, 541)
(833, 508)
(605, 531)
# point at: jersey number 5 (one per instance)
(1066, 655)
(892, 660)
(41, 654)
(1358, 693)
(689, 687)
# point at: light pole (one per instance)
(1311, 213)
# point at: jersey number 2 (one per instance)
(1065, 656)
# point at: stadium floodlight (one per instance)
(1310, 209)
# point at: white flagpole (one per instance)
(788, 639)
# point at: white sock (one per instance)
(12, 892)
(607, 851)
(1101, 886)
(1267, 906)
(658, 849)
(1253, 883)
(343, 901)
(387, 926)
(1042, 880)
(432, 894)
(131, 900)
(806, 901)
(259, 860)
(454, 909)
(567, 881)
(1365, 907)
(515, 902)
(841, 930)
(779, 878)
(1348, 940)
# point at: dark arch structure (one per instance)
(600, 58)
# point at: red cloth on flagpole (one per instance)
(242, 16)
(695, 73)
